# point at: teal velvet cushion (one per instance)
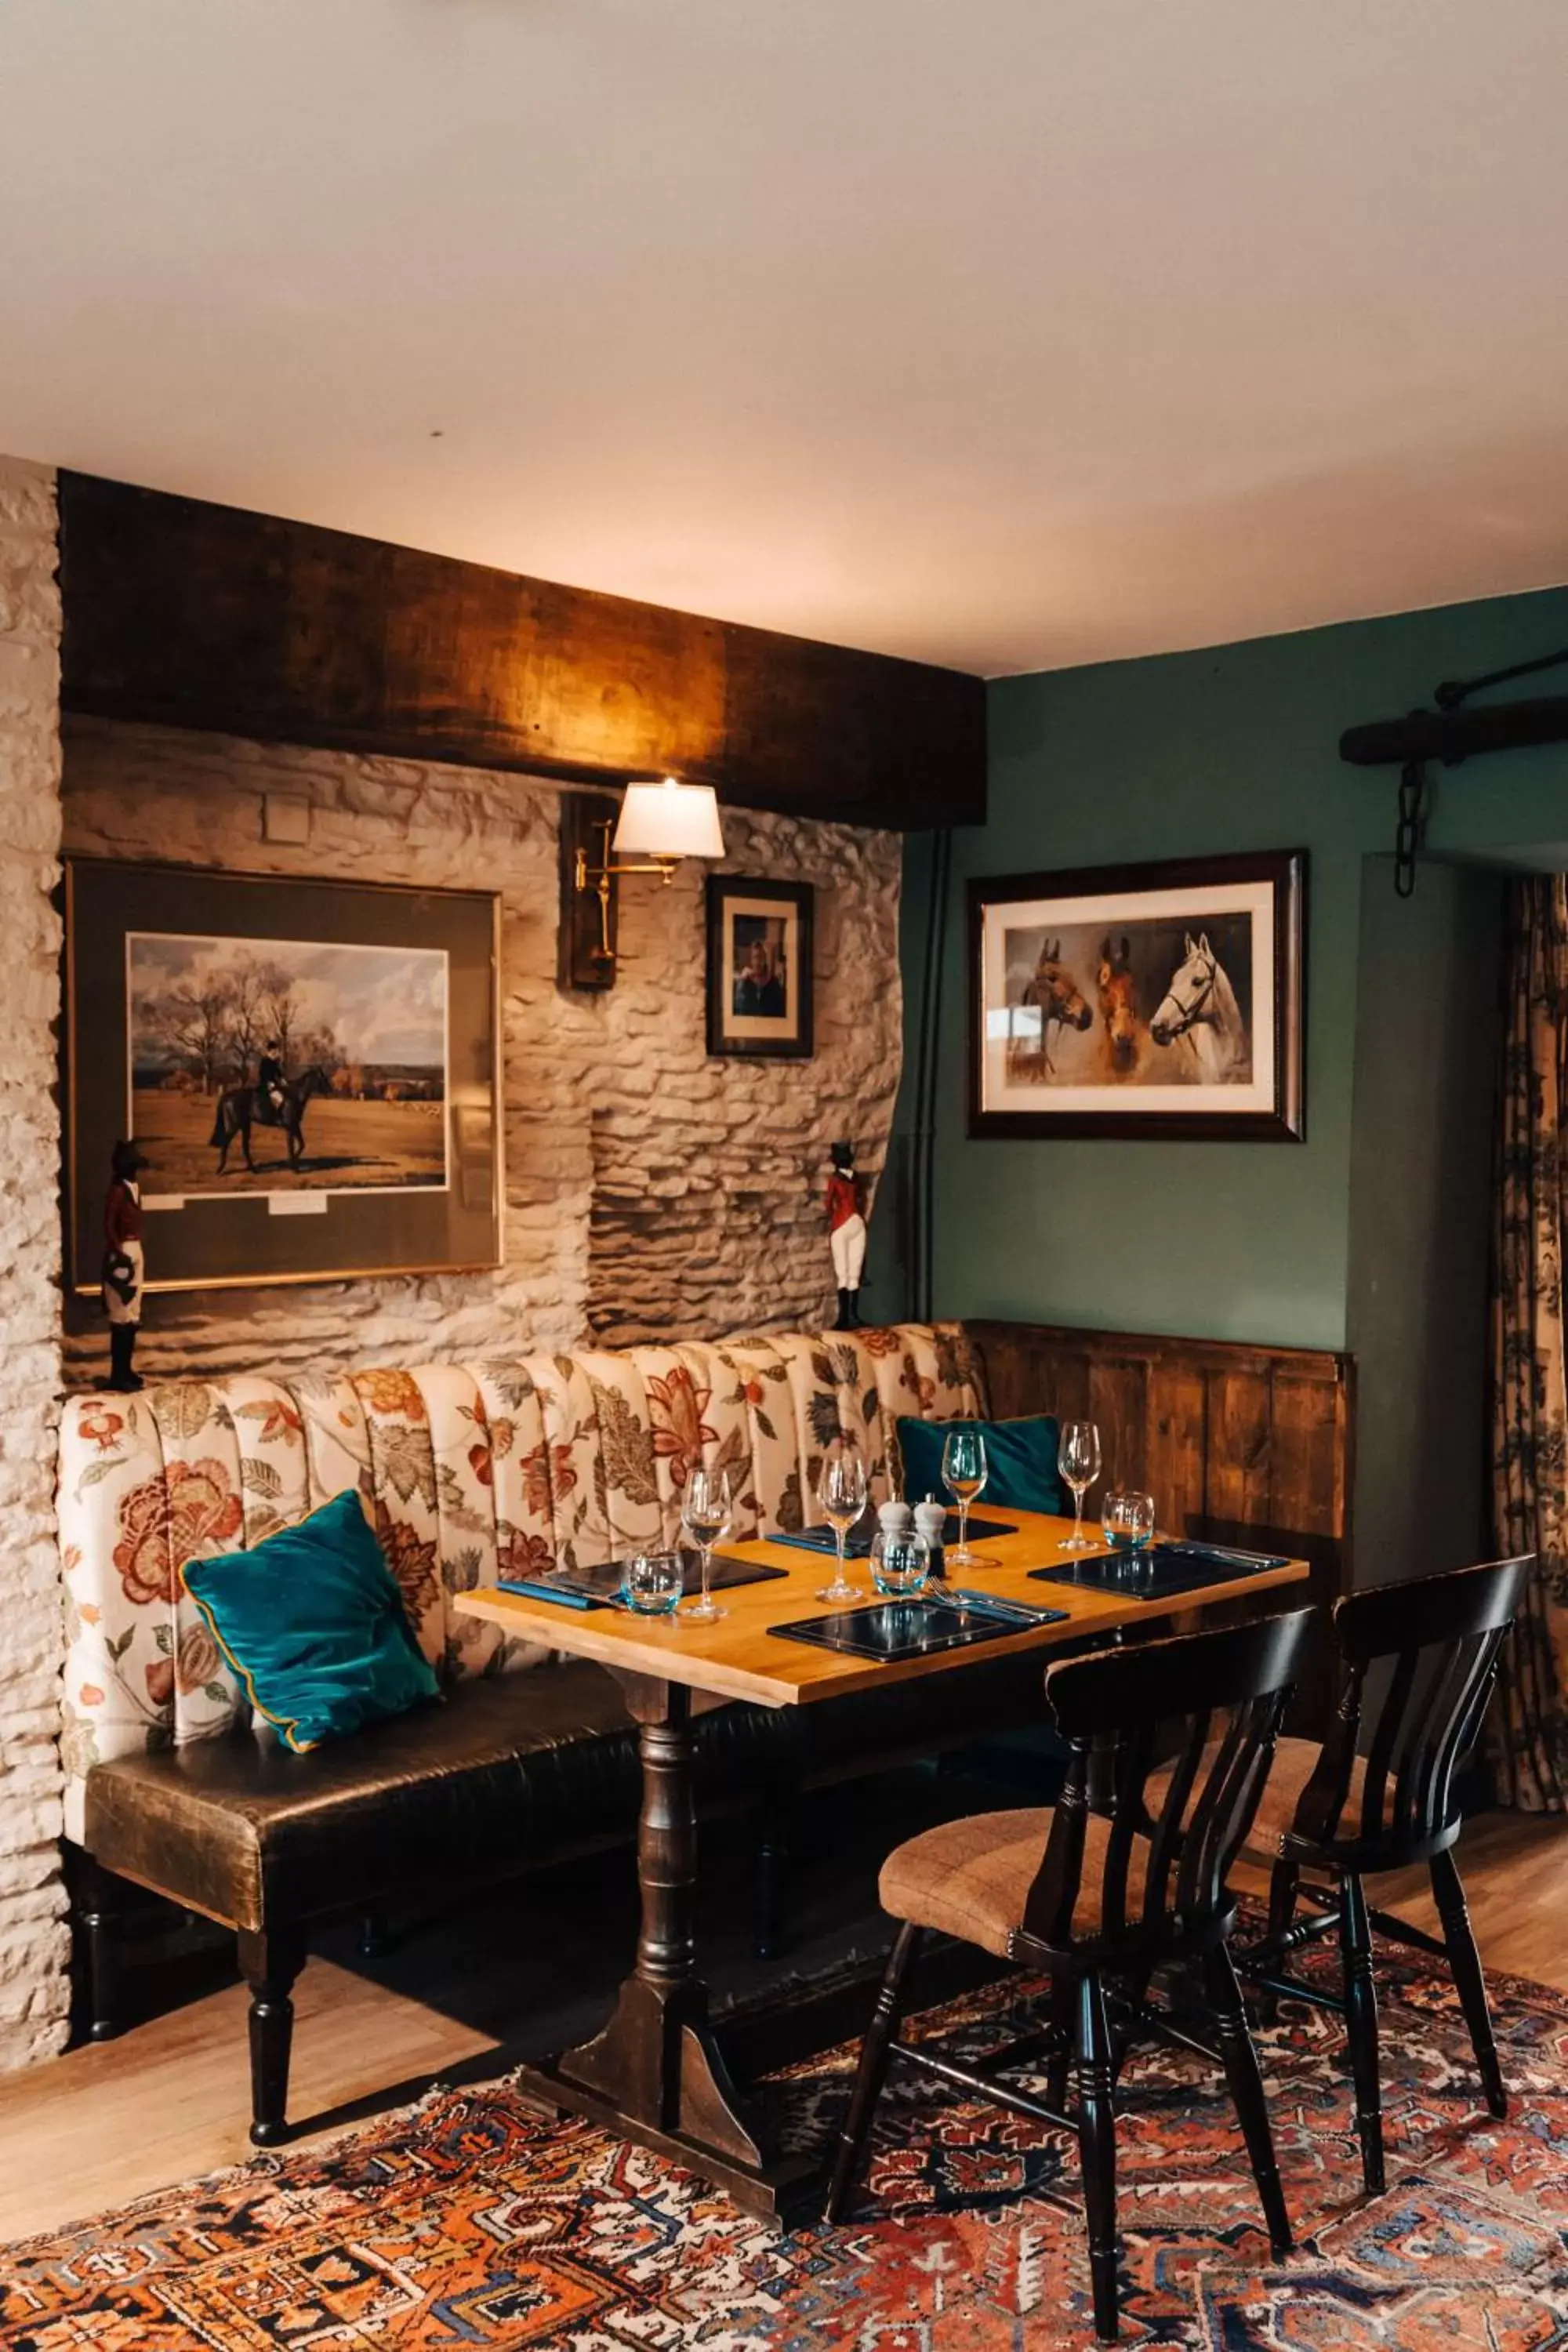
(1020, 1462)
(313, 1624)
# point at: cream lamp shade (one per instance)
(669, 820)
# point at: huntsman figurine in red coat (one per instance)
(846, 1232)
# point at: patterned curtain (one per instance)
(1529, 1394)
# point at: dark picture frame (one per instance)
(390, 1001)
(760, 969)
(1102, 1003)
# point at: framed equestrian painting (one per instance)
(1139, 1001)
(760, 966)
(308, 1070)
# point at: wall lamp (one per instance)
(657, 825)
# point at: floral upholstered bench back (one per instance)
(469, 1470)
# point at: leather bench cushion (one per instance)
(507, 1769)
(510, 1772)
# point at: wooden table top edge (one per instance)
(741, 1658)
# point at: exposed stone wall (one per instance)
(651, 1191)
(34, 1993)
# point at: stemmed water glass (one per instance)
(1077, 1459)
(964, 1470)
(705, 1513)
(841, 1490)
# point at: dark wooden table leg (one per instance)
(656, 2074)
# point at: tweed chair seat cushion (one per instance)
(1295, 1761)
(971, 1878)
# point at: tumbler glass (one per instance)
(900, 1563)
(651, 1582)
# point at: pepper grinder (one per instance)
(931, 1521)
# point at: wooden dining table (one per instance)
(656, 2074)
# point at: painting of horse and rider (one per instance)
(286, 1064)
(1158, 1000)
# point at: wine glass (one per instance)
(1077, 1459)
(965, 1470)
(706, 1510)
(841, 1490)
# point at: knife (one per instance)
(1226, 1559)
(1011, 1613)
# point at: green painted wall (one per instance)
(1175, 756)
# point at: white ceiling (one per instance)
(1006, 333)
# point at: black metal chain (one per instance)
(1412, 818)
(1540, 720)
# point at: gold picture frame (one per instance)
(368, 1144)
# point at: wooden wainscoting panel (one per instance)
(1117, 1402)
(1071, 1384)
(1310, 1452)
(1217, 1430)
(1236, 1451)
(1177, 1436)
(1237, 1444)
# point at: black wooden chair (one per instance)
(1418, 1662)
(1178, 1734)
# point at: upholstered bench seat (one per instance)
(506, 1774)
(471, 1473)
(480, 1786)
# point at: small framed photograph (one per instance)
(1156, 1000)
(759, 974)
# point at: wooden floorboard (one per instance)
(472, 1992)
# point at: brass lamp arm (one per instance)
(597, 879)
(662, 866)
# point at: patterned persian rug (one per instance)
(471, 2222)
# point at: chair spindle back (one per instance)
(1177, 1819)
(1419, 1660)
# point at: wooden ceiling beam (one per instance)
(189, 615)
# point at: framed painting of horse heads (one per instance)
(308, 1072)
(1140, 1001)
